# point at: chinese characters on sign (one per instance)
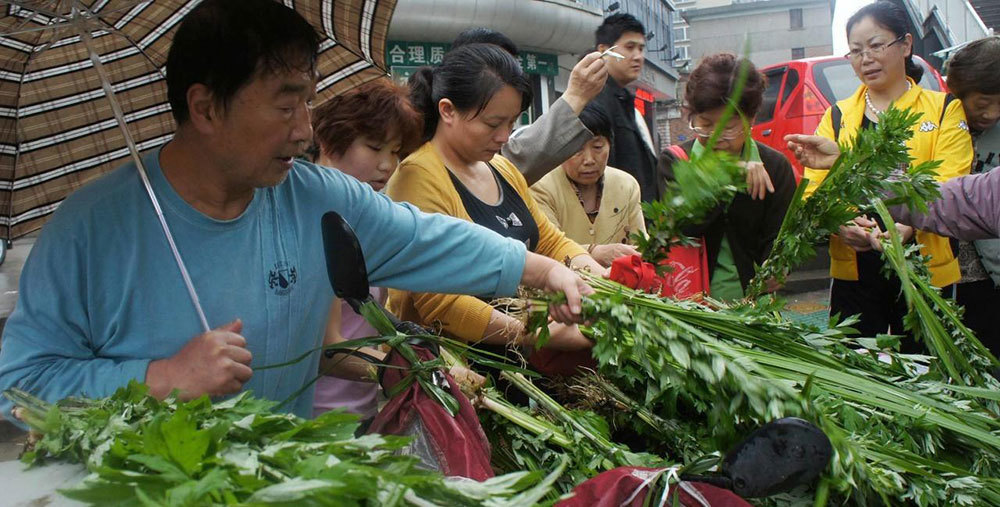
(404, 57)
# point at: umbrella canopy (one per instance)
(58, 128)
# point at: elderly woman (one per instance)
(738, 234)
(595, 205)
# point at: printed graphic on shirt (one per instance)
(928, 126)
(282, 278)
(963, 125)
(510, 221)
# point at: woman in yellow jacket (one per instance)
(880, 53)
(470, 103)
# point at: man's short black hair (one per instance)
(485, 36)
(614, 26)
(225, 44)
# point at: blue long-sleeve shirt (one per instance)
(101, 296)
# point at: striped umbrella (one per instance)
(58, 128)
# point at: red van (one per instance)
(799, 92)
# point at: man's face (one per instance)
(631, 45)
(266, 125)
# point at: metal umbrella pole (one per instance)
(80, 23)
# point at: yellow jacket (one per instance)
(423, 180)
(949, 142)
(619, 214)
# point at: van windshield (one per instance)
(837, 81)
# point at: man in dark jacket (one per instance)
(630, 153)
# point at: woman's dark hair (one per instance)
(597, 120)
(973, 69)
(224, 44)
(469, 76)
(373, 110)
(713, 81)
(485, 36)
(614, 26)
(891, 17)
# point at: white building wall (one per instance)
(961, 20)
(771, 37)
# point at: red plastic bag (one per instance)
(688, 279)
(689, 276)
(633, 272)
(629, 486)
(455, 445)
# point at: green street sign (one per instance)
(416, 54)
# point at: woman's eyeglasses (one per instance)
(874, 51)
(728, 133)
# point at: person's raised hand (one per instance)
(214, 363)
(585, 81)
(816, 152)
(606, 254)
(758, 181)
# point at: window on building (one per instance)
(795, 18)
(680, 33)
(681, 53)
(798, 53)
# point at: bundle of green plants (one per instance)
(901, 435)
(931, 318)
(875, 164)
(544, 433)
(143, 451)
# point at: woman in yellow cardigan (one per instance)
(470, 103)
(880, 53)
(593, 204)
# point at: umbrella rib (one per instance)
(24, 22)
(21, 4)
(142, 51)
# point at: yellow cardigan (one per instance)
(423, 180)
(949, 142)
(618, 216)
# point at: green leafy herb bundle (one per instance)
(933, 319)
(700, 185)
(898, 435)
(142, 451)
(867, 169)
(534, 438)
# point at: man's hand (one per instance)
(546, 274)
(585, 81)
(214, 363)
(816, 152)
(567, 338)
(758, 181)
(606, 254)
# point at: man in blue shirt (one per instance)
(102, 300)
